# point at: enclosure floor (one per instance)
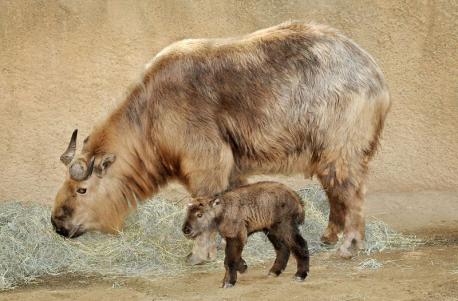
(423, 274)
(428, 273)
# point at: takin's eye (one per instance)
(199, 215)
(81, 190)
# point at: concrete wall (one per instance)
(63, 64)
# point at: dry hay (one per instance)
(371, 264)
(150, 245)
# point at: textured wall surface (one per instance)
(64, 64)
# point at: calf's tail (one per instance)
(300, 215)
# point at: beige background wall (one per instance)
(63, 65)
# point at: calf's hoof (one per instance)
(242, 266)
(274, 273)
(228, 285)
(300, 277)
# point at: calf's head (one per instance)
(200, 216)
(87, 199)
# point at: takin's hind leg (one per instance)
(282, 251)
(336, 221)
(206, 176)
(346, 197)
(354, 230)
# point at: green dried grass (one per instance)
(150, 245)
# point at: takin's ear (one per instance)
(105, 162)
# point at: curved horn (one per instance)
(68, 155)
(79, 171)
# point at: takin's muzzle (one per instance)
(62, 230)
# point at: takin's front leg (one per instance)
(205, 245)
(207, 174)
(204, 248)
(354, 230)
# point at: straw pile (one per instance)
(371, 264)
(150, 245)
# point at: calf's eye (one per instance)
(81, 190)
(199, 214)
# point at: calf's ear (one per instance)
(105, 162)
(216, 202)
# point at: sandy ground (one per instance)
(430, 272)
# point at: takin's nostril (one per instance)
(62, 231)
(186, 230)
(59, 230)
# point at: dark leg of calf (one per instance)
(232, 261)
(301, 253)
(243, 267)
(282, 251)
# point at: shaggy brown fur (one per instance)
(265, 206)
(293, 98)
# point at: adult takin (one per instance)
(293, 98)
(265, 206)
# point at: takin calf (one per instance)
(265, 206)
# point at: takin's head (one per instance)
(200, 216)
(89, 197)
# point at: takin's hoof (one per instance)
(345, 253)
(242, 268)
(227, 285)
(192, 259)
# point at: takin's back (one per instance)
(279, 97)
